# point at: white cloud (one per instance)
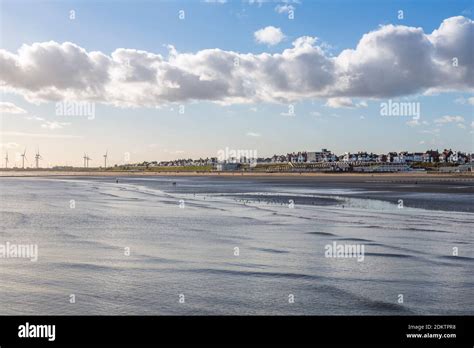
(260, 2)
(284, 8)
(10, 108)
(54, 125)
(390, 61)
(9, 145)
(253, 134)
(401, 60)
(344, 103)
(433, 131)
(339, 103)
(34, 118)
(269, 36)
(41, 135)
(461, 100)
(450, 119)
(415, 122)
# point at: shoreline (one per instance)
(410, 175)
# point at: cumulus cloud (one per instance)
(34, 118)
(416, 122)
(10, 108)
(41, 135)
(390, 61)
(344, 103)
(284, 8)
(434, 132)
(400, 60)
(461, 100)
(9, 145)
(253, 134)
(450, 119)
(54, 125)
(269, 35)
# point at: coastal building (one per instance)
(227, 166)
(327, 161)
(430, 156)
(458, 157)
(444, 156)
(391, 157)
(418, 157)
(321, 156)
(300, 157)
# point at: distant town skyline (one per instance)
(169, 80)
(37, 160)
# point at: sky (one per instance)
(161, 80)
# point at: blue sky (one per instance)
(161, 132)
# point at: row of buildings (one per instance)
(447, 156)
(429, 156)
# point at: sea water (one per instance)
(204, 246)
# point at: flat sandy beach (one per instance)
(391, 176)
(182, 231)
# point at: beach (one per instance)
(404, 176)
(181, 233)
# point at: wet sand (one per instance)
(413, 182)
(390, 176)
(190, 249)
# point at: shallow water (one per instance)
(189, 250)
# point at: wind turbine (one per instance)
(105, 158)
(23, 155)
(85, 159)
(6, 160)
(37, 158)
(88, 159)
